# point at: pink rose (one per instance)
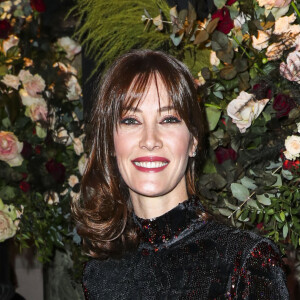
(291, 69)
(269, 4)
(32, 84)
(244, 109)
(10, 149)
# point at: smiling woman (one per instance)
(140, 216)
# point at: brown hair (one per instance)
(103, 215)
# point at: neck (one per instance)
(148, 207)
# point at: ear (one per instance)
(193, 146)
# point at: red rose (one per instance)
(230, 2)
(38, 5)
(283, 104)
(260, 226)
(38, 149)
(24, 186)
(56, 170)
(262, 90)
(223, 154)
(291, 165)
(5, 29)
(27, 150)
(225, 23)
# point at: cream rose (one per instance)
(262, 40)
(282, 24)
(51, 198)
(244, 109)
(7, 226)
(291, 69)
(28, 100)
(82, 164)
(292, 145)
(74, 89)
(10, 149)
(37, 111)
(11, 81)
(213, 59)
(78, 146)
(73, 180)
(62, 136)
(65, 68)
(269, 4)
(70, 46)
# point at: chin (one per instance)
(150, 190)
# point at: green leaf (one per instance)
(213, 116)
(264, 199)
(248, 183)
(225, 212)
(209, 167)
(285, 230)
(239, 191)
(220, 3)
(282, 216)
(228, 72)
(218, 94)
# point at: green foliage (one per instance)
(108, 28)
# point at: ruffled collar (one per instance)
(169, 228)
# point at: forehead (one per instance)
(154, 96)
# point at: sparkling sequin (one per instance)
(182, 257)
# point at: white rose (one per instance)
(214, 60)
(73, 180)
(74, 89)
(261, 42)
(240, 20)
(7, 226)
(244, 109)
(51, 198)
(292, 145)
(10, 42)
(70, 46)
(11, 81)
(82, 164)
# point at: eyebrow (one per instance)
(161, 109)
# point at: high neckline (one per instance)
(161, 232)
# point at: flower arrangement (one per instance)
(41, 131)
(250, 89)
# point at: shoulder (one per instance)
(98, 276)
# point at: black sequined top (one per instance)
(181, 256)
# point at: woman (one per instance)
(140, 218)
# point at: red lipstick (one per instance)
(150, 164)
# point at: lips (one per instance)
(150, 164)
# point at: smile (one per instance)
(151, 164)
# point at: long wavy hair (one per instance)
(104, 212)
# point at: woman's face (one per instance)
(152, 146)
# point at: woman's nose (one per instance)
(150, 139)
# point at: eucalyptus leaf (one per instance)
(218, 94)
(264, 199)
(248, 183)
(220, 3)
(287, 174)
(176, 39)
(239, 191)
(225, 212)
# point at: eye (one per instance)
(170, 119)
(129, 121)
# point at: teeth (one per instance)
(150, 164)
